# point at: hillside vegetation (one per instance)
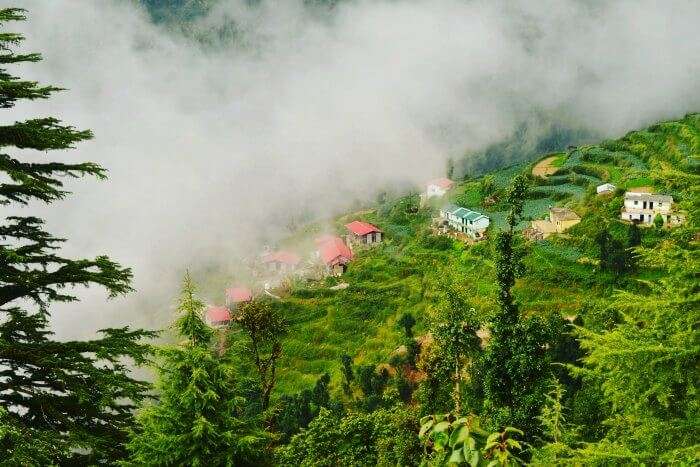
(578, 349)
(601, 363)
(405, 273)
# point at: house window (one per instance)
(635, 202)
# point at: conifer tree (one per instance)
(75, 398)
(647, 368)
(199, 418)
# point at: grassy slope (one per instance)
(404, 273)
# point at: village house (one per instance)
(560, 219)
(334, 254)
(465, 221)
(281, 261)
(605, 188)
(438, 187)
(218, 315)
(644, 207)
(237, 295)
(363, 233)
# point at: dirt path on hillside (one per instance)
(544, 167)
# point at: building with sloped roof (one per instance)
(605, 188)
(238, 294)
(438, 187)
(281, 261)
(334, 254)
(560, 219)
(218, 315)
(465, 221)
(363, 233)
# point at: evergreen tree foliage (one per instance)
(298, 410)
(73, 399)
(647, 367)
(455, 338)
(450, 168)
(613, 255)
(198, 419)
(487, 187)
(658, 221)
(372, 381)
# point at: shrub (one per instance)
(383, 437)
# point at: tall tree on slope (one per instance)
(199, 420)
(74, 398)
(515, 365)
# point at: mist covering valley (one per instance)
(218, 128)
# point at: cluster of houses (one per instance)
(334, 253)
(453, 218)
(235, 296)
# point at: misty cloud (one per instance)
(209, 149)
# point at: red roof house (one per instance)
(236, 295)
(438, 187)
(281, 260)
(218, 315)
(321, 239)
(362, 232)
(334, 252)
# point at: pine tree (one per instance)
(74, 398)
(647, 368)
(199, 418)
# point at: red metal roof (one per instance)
(361, 228)
(217, 314)
(334, 251)
(444, 183)
(321, 239)
(285, 257)
(239, 294)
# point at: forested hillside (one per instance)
(593, 358)
(431, 348)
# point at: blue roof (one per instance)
(463, 213)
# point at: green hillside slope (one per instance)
(596, 359)
(405, 273)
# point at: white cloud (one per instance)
(209, 149)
